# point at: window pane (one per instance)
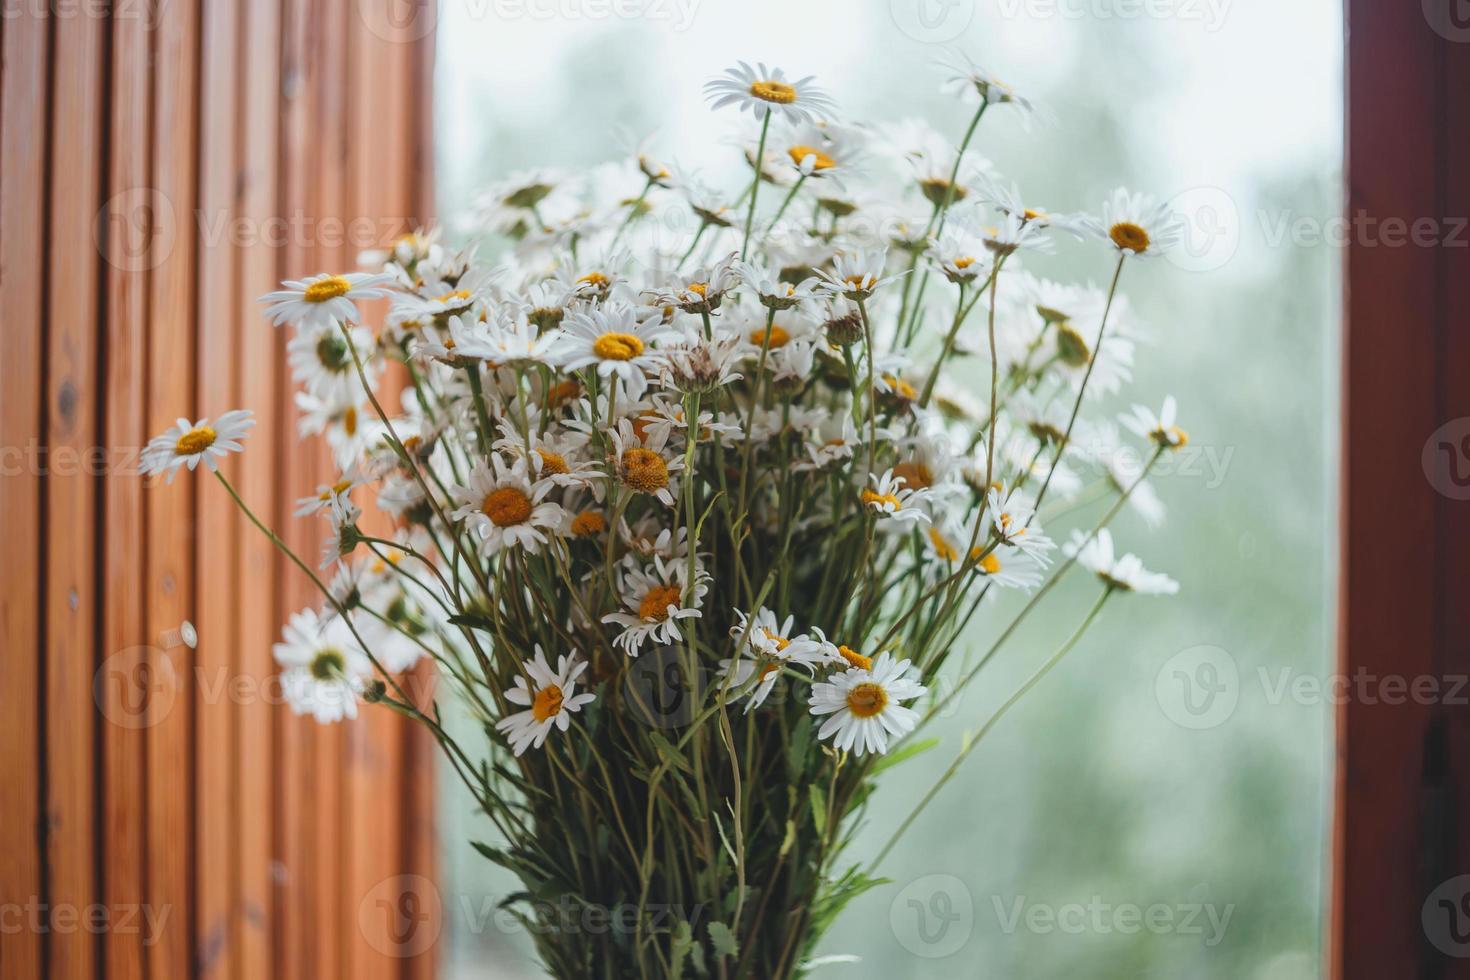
(1159, 806)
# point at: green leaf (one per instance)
(903, 755)
(477, 621)
(683, 941)
(722, 939)
(819, 807)
(670, 754)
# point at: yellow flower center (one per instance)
(328, 664)
(329, 288)
(1031, 214)
(699, 288)
(990, 564)
(644, 470)
(799, 153)
(854, 658)
(877, 499)
(617, 347)
(588, 523)
(547, 703)
(779, 336)
(900, 387)
(552, 462)
(506, 506)
(777, 92)
(596, 280)
(335, 490)
(1173, 437)
(942, 547)
(964, 261)
(867, 699)
(780, 642)
(349, 421)
(457, 294)
(916, 475)
(1125, 234)
(195, 441)
(655, 605)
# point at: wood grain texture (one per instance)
(162, 166)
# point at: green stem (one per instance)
(755, 186)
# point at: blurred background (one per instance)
(1159, 806)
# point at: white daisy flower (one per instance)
(657, 596)
(891, 499)
(322, 362)
(959, 255)
(617, 341)
(188, 443)
(763, 89)
(327, 493)
(350, 427)
(640, 462)
(857, 274)
(1014, 519)
(323, 300)
(970, 80)
(864, 705)
(506, 507)
(1137, 224)
(324, 670)
(1126, 574)
(551, 697)
(1159, 428)
(344, 537)
(772, 292)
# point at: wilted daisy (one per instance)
(551, 698)
(617, 341)
(1159, 428)
(1127, 574)
(864, 705)
(507, 507)
(762, 90)
(188, 443)
(324, 670)
(657, 597)
(765, 646)
(888, 497)
(323, 300)
(1137, 224)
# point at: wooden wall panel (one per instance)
(162, 166)
(24, 111)
(1403, 779)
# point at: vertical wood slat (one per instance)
(171, 801)
(23, 125)
(218, 615)
(70, 423)
(127, 234)
(170, 512)
(260, 370)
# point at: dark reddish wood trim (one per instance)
(1403, 769)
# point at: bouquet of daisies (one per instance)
(689, 495)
